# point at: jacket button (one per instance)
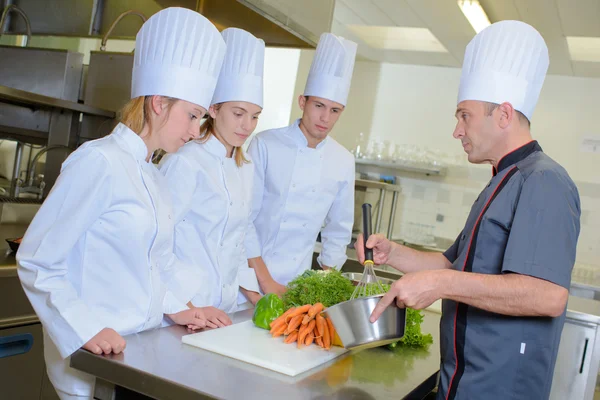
(463, 237)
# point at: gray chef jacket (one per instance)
(526, 221)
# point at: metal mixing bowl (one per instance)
(351, 321)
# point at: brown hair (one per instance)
(208, 128)
(136, 112)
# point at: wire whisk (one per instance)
(369, 284)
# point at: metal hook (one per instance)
(13, 7)
(132, 12)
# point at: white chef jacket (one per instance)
(211, 204)
(99, 253)
(299, 191)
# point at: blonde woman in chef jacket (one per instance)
(211, 180)
(97, 261)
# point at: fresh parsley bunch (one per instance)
(327, 287)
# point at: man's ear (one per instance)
(302, 101)
(507, 114)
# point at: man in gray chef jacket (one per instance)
(505, 280)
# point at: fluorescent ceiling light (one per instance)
(583, 48)
(398, 38)
(475, 14)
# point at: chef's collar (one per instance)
(299, 138)
(517, 155)
(214, 146)
(133, 142)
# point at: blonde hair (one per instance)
(136, 112)
(208, 128)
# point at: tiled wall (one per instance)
(444, 204)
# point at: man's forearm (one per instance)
(508, 294)
(407, 260)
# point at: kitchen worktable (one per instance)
(8, 262)
(156, 363)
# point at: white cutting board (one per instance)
(253, 345)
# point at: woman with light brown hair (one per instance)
(210, 180)
(97, 261)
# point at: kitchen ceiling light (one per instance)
(582, 48)
(475, 14)
(398, 38)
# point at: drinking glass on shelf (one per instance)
(377, 152)
(385, 150)
(359, 149)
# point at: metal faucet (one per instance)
(16, 9)
(107, 34)
(29, 179)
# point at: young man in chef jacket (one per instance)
(304, 179)
(97, 261)
(210, 180)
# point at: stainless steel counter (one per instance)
(156, 363)
(8, 263)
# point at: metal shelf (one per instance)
(22, 97)
(439, 171)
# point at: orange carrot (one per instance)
(314, 310)
(316, 331)
(331, 332)
(306, 329)
(291, 338)
(320, 324)
(326, 338)
(299, 311)
(319, 341)
(306, 319)
(279, 331)
(302, 331)
(281, 317)
(294, 324)
(309, 338)
(278, 325)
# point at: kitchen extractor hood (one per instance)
(286, 23)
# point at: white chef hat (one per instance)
(241, 77)
(178, 54)
(331, 70)
(505, 62)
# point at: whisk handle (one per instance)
(367, 230)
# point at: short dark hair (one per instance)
(490, 107)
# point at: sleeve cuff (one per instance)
(247, 279)
(171, 305)
(252, 247)
(82, 326)
(561, 278)
(332, 262)
(185, 283)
